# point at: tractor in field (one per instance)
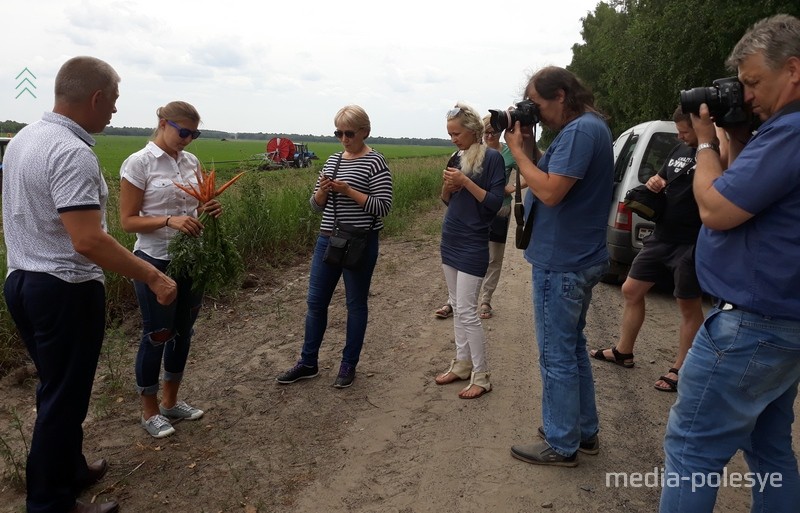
(282, 153)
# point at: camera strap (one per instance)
(527, 223)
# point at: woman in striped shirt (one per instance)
(354, 188)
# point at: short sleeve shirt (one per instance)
(50, 168)
(153, 171)
(756, 265)
(571, 236)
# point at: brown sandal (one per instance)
(444, 312)
(672, 384)
(619, 358)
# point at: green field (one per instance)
(112, 150)
(267, 214)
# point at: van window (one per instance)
(657, 151)
(624, 156)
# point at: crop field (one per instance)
(229, 154)
(267, 215)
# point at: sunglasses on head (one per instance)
(184, 132)
(345, 133)
(453, 112)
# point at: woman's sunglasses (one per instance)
(184, 132)
(345, 133)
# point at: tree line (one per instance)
(637, 55)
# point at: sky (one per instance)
(288, 67)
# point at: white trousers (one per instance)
(462, 289)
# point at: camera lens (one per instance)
(691, 99)
(500, 119)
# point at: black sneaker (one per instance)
(590, 446)
(347, 373)
(299, 371)
(541, 453)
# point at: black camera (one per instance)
(725, 100)
(526, 112)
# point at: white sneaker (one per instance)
(181, 410)
(158, 426)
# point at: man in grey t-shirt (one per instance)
(54, 200)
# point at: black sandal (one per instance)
(672, 384)
(619, 358)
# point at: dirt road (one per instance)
(393, 442)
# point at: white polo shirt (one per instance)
(155, 172)
(50, 168)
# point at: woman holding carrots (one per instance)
(156, 210)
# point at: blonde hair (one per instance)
(472, 158)
(353, 116)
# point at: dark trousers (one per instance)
(62, 325)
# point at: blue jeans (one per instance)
(166, 330)
(737, 391)
(321, 284)
(560, 303)
(62, 325)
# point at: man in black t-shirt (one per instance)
(670, 249)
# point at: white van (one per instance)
(638, 154)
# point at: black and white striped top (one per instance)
(368, 174)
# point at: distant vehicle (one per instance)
(638, 154)
(303, 156)
(282, 152)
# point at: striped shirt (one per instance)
(368, 174)
(50, 168)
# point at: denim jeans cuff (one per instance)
(174, 377)
(148, 390)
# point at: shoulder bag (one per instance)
(347, 244)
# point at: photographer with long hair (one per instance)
(572, 185)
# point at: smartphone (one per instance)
(455, 161)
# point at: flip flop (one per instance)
(444, 312)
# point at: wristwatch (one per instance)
(708, 145)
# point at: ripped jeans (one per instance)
(166, 330)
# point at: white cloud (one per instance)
(271, 67)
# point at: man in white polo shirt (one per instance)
(54, 201)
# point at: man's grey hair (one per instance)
(777, 37)
(80, 77)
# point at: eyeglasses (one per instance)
(345, 133)
(183, 133)
(453, 112)
(489, 133)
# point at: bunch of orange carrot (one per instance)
(210, 260)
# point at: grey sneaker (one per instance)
(182, 411)
(157, 426)
(541, 453)
(590, 446)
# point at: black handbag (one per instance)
(347, 245)
(648, 204)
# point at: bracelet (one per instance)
(707, 146)
(166, 224)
